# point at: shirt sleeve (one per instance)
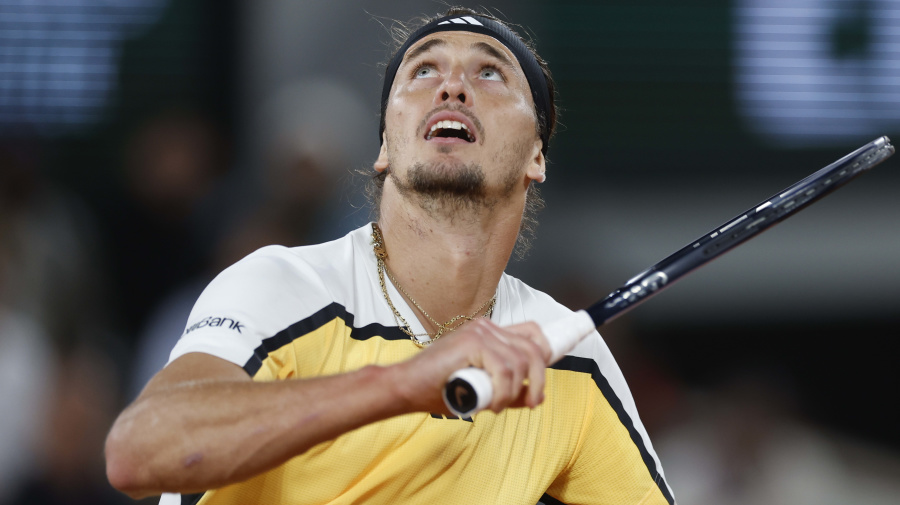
(248, 302)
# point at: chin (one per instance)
(446, 177)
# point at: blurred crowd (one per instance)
(93, 295)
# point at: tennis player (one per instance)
(314, 374)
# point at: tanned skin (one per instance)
(450, 213)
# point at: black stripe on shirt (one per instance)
(191, 499)
(589, 366)
(314, 322)
(549, 500)
(571, 363)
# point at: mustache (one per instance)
(454, 108)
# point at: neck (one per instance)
(450, 264)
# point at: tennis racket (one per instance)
(469, 390)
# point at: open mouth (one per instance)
(450, 129)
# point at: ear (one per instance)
(381, 164)
(537, 167)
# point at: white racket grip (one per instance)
(564, 334)
(468, 391)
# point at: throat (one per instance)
(445, 317)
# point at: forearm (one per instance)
(201, 423)
(201, 435)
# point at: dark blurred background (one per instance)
(147, 144)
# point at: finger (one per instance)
(533, 383)
(537, 371)
(532, 331)
(505, 363)
(501, 375)
(526, 359)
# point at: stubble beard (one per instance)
(451, 190)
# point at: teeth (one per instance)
(447, 124)
(456, 125)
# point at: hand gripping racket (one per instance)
(469, 390)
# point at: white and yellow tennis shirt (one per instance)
(292, 313)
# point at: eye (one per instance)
(424, 71)
(490, 74)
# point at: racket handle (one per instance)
(564, 334)
(470, 390)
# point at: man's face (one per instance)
(460, 120)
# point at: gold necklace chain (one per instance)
(380, 255)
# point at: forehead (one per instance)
(461, 42)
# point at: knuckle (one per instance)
(516, 353)
(533, 348)
(532, 327)
(532, 352)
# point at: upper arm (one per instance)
(194, 367)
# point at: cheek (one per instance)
(395, 114)
(404, 116)
(394, 124)
(525, 109)
(397, 140)
(518, 120)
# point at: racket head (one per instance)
(739, 229)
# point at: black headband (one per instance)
(477, 24)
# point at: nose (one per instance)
(453, 88)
